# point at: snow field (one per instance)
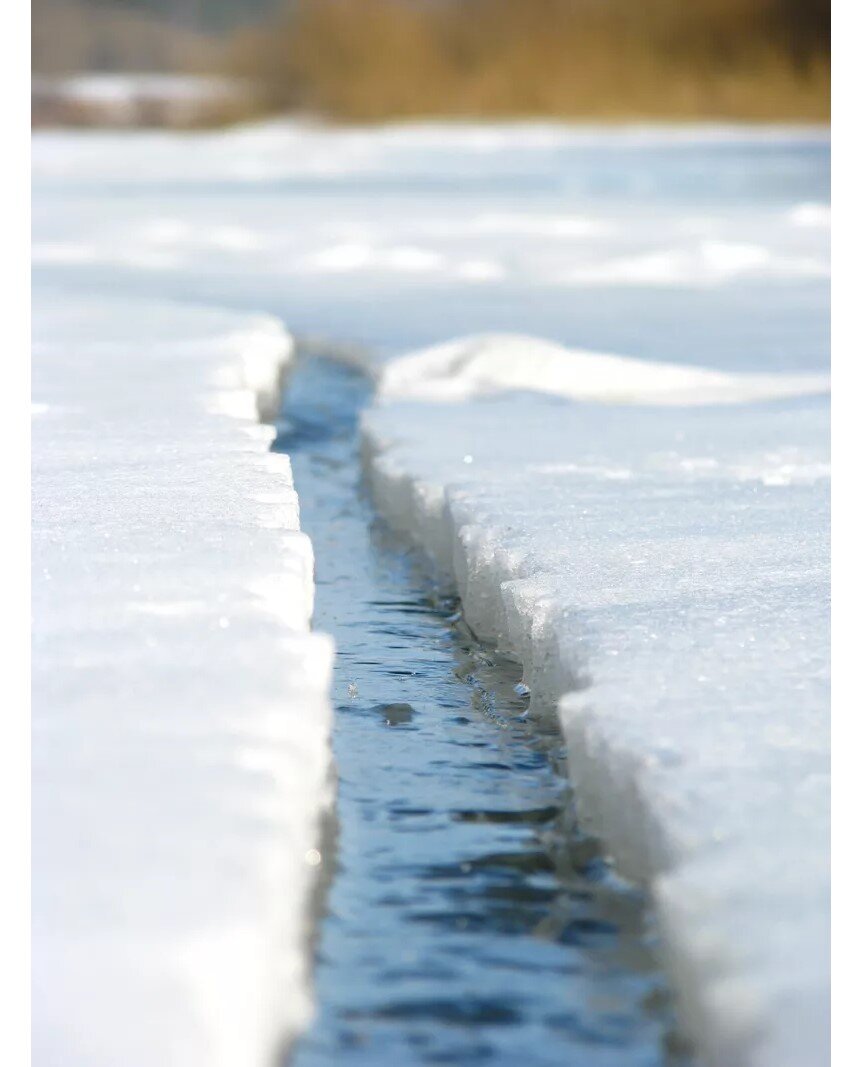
(180, 706)
(664, 581)
(694, 245)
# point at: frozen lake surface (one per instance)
(694, 245)
(660, 568)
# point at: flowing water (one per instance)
(464, 918)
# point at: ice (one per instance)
(635, 506)
(180, 705)
(401, 237)
(703, 264)
(669, 594)
(814, 215)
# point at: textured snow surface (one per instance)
(180, 706)
(665, 573)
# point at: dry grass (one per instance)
(357, 60)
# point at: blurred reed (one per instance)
(357, 60)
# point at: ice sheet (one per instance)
(677, 244)
(180, 705)
(663, 575)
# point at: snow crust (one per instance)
(663, 577)
(180, 706)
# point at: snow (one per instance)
(180, 706)
(475, 366)
(678, 244)
(624, 470)
(664, 576)
(125, 88)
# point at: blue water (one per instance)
(465, 919)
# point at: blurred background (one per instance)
(208, 62)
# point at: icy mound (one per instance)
(664, 581)
(180, 706)
(473, 366)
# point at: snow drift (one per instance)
(475, 366)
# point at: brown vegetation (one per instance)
(379, 59)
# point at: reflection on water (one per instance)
(467, 919)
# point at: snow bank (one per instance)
(180, 706)
(473, 366)
(664, 581)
